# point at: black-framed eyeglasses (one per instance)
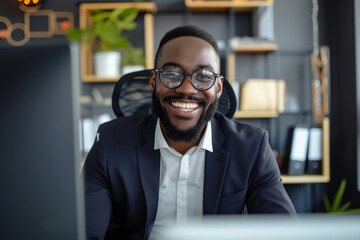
(172, 77)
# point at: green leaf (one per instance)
(100, 28)
(129, 14)
(133, 56)
(355, 210)
(327, 204)
(107, 29)
(125, 18)
(129, 26)
(338, 196)
(116, 13)
(120, 42)
(102, 15)
(344, 207)
(74, 35)
(80, 35)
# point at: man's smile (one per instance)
(185, 106)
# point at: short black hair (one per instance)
(187, 30)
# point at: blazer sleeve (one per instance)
(98, 205)
(266, 193)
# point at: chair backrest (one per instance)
(132, 94)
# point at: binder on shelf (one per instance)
(315, 155)
(296, 150)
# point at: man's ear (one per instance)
(152, 81)
(220, 86)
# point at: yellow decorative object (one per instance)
(263, 94)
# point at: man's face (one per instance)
(185, 108)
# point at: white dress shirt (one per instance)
(181, 180)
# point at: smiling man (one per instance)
(185, 106)
(185, 159)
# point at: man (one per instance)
(185, 159)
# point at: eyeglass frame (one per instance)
(158, 70)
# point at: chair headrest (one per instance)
(132, 94)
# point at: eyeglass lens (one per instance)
(201, 79)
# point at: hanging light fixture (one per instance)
(29, 5)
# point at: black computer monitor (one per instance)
(41, 190)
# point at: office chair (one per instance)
(132, 95)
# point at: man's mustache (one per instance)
(185, 97)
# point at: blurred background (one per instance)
(52, 98)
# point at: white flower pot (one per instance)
(107, 64)
(132, 68)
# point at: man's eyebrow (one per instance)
(170, 64)
(177, 65)
(205, 66)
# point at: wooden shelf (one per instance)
(142, 6)
(255, 48)
(94, 79)
(241, 6)
(256, 114)
(305, 179)
(87, 58)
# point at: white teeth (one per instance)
(185, 106)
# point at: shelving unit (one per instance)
(87, 65)
(238, 6)
(246, 5)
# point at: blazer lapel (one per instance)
(149, 168)
(215, 169)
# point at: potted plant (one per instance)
(105, 38)
(336, 207)
(133, 60)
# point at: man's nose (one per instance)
(186, 87)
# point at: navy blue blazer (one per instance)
(121, 175)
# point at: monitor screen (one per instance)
(41, 189)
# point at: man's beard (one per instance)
(191, 135)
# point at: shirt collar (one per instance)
(205, 142)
